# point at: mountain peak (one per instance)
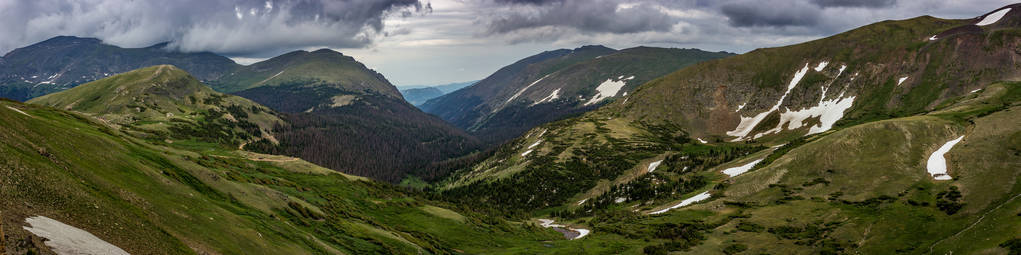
(327, 51)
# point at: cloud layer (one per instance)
(440, 41)
(238, 27)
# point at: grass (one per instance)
(194, 197)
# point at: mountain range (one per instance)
(555, 84)
(901, 136)
(65, 61)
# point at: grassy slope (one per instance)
(158, 98)
(887, 158)
(189, 197)
(868, 159)
(317, 67)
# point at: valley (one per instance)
(896, 137)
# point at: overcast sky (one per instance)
(440, 41)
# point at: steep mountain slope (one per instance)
(63, 62)
(165, 101)
(318, 68)
(835, 146)
(347, 117)
(555, 84)
(189, 197)
(418, 96)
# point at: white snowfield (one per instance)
(548, 223)
(608, 89)
(933, 38)
(535, 144)
(741, 106)
(654, 165)
(748, 123)
(700, 140)
(582, 201)
(64, 239)
(735, 171)
(901, 80)
(686, 202)
(937, 164)
(550, 98)
(526, 153)
(973, 91)
(19, 111)
(993, 17)
(821, 65)
(516, 95)
(828, 111)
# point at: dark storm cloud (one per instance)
(599, 16)
(855, 3)
(770, 14)
(536, 2)
(239, 27)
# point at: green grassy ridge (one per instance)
(167, 102)
(318, 68)
(184, 198)
(860, 187)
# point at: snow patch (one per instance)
(741, 106)
(937, 164)
(526, 153)
(516, 95)
(582, 201)
(64, 239)
(933, 38)
(619, 200)
(19, 111)
(901, 80)
(535, 144)
(973, 91)
(654, 165)
(735, 171)
(608, 89)
(828, 111)
(993, 17)
(700, 140)
(821, 65)
(749, 123)
(550, 98)
(686, 202)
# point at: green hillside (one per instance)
(320, 67)
(166, 102)
(190, 197)
(834, 134)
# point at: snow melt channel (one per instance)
(686, 202)
(567, 231)
(608, 89)
(937, 164)
(65, 239)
